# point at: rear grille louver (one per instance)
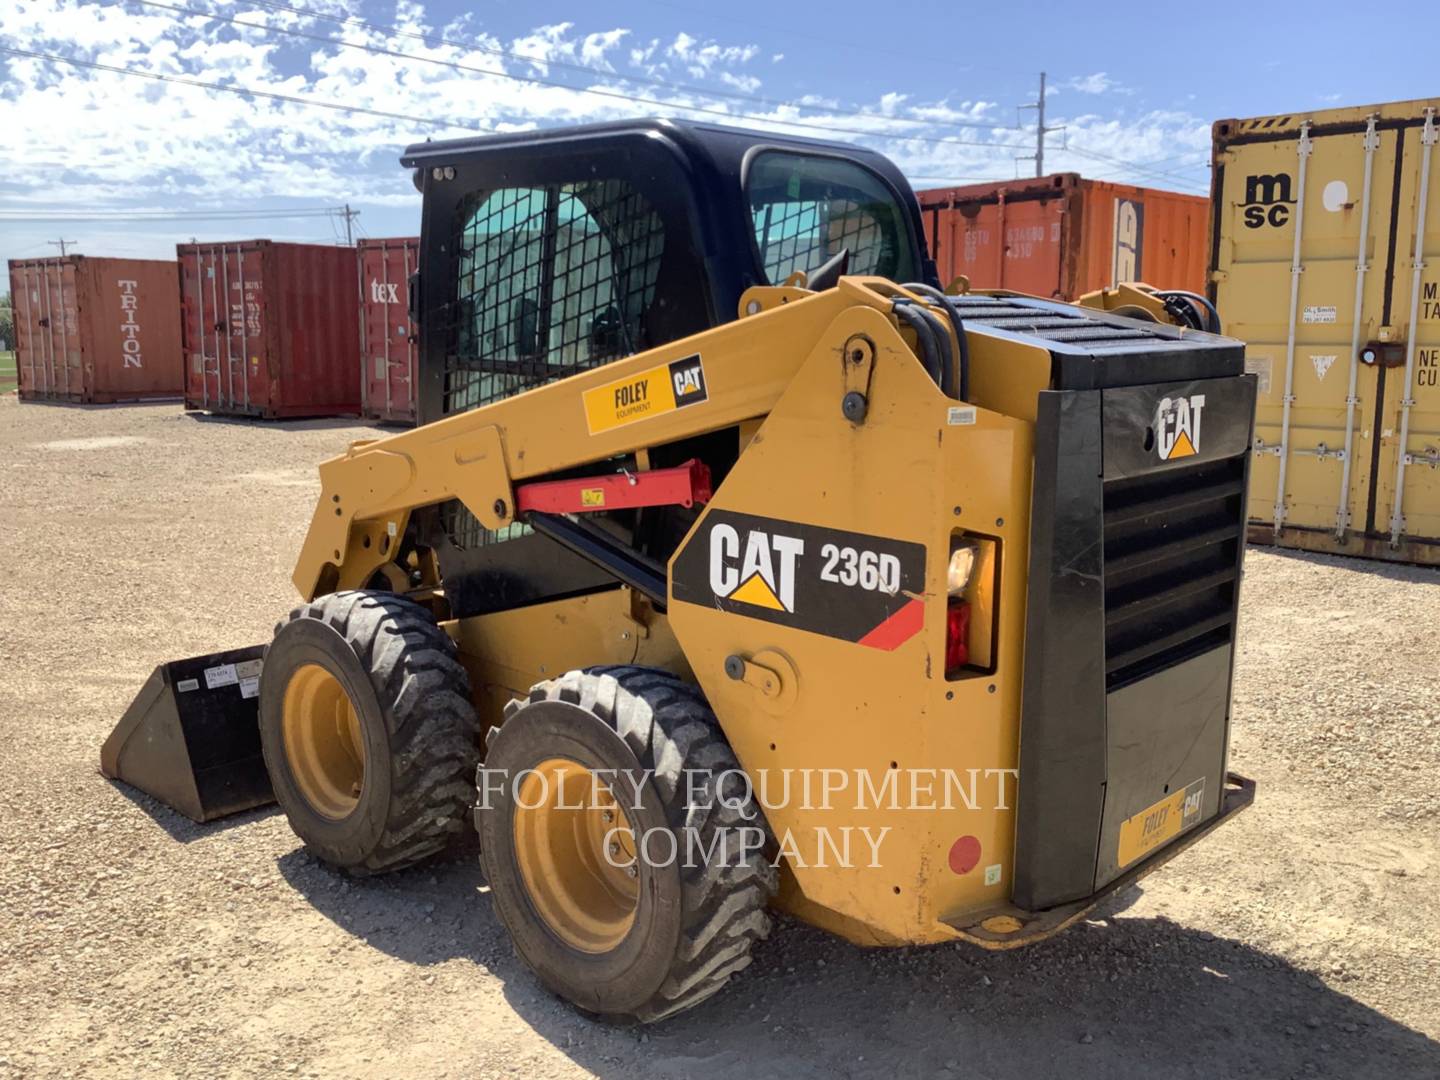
(1172, 560)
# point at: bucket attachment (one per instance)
(191, 737)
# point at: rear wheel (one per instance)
(627, 884)
(369, 734)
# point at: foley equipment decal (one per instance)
(1160, 823)
(866, 589)
(662, 389)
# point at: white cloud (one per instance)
(1098, 83)
(98, 139)
(595, 47)
(747, 83)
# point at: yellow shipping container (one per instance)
(1322, 226)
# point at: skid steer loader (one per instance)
(737, 567)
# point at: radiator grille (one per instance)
(1051, 323)
(1172, 557)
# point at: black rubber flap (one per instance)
(191, 737)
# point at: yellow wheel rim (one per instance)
(576, 851)
(323, 742)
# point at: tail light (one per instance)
(957, 612)
(957, 636)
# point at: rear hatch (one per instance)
(1137, 536)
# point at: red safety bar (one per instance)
(684, 485)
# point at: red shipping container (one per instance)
(1062, 236)
(388, 350)
(270, 329)
(96, 330)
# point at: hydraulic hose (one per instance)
(924, 336)
(945, 354)
(1212, 316)
(957, 325)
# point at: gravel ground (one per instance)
(1299, 941)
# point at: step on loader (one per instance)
(737, 568)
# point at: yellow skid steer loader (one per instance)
(737, 567)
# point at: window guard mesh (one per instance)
(803, 234)
(550, 281)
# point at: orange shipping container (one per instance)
(96, 330)
(1061, 236)
(387, 340)
(271, 329)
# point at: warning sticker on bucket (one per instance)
(250, 687)
(222, 675)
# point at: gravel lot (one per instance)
(1299, 941)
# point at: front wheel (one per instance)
(369, 734)
(628, 883)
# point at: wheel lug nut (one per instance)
(633, 871)
(608, 816)
(614, 848)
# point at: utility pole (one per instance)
(349, 215)
(1040, 130)
(61, 245)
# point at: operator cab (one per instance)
(556, 251)
(546, 253)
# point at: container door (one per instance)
(204, 382)
(1033, 234)
(30, 344)
(54, 325)
(389, 354)
(1009, 244)
(1301, 278)
(1407, 503)
(242, 345)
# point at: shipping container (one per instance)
(270, 329)
(1060, 236)
(1324, 222)
(388, 350)
(96, 330)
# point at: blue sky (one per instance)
(101, 157)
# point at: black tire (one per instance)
(420, 731)
(694, 925)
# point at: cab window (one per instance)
(807, 208)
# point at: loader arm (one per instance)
(476, 457)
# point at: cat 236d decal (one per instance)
(852, 586)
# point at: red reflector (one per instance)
(964, 855)
(957, 635)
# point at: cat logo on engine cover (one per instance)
(851, 586)
(1177, 426)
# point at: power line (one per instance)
(662, 84)
(245, 91)
(1131, 165)
(307, 101)
(61, 244)
(13, 216)
(617, 95)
